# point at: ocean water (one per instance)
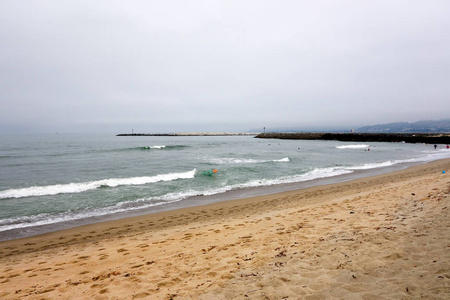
(51, 182)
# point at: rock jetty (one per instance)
(188, 134)
(362, 137)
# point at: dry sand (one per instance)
(383, 237)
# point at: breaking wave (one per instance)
(159, 147)
(230, 160)
(72, 188)
(358, 146)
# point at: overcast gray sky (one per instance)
(170, 66)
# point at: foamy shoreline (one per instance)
(379, 237)
(238, 193)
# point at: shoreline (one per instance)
(283, 189)
(379, 236)
(194, 201)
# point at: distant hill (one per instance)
(429, 126)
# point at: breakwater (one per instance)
(361, 137)
(189, 134)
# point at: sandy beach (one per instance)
(382, 237)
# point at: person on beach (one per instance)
(435, 146)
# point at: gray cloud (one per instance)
(221, 65)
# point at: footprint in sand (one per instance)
(103, 256)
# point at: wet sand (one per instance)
(381, 237)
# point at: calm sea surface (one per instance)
(50, 182)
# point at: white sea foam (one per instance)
(154, 147)
(373, 165)
(46, 219)
(71, 188)
(387, 163)
(429, 156)
(286, 159)
(314, 174)
(174, 197)
(311, 175)
(357, 146)
(230, 160)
